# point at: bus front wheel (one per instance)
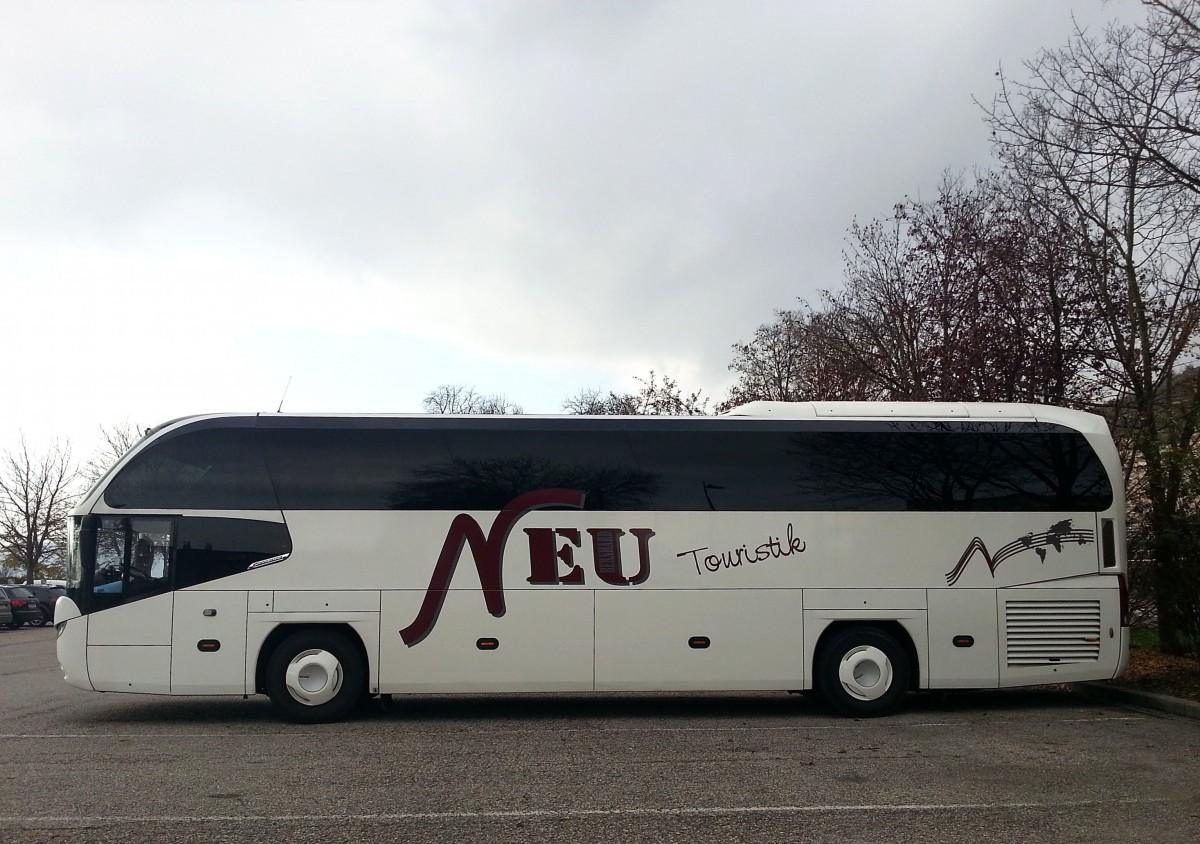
(315, 676)
(862, 672)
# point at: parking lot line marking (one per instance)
(1097, 720)
(135, 735)
(567, 814)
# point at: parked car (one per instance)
(5, 609)
(24, 605)
(47, 597)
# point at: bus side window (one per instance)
(133, 558)
(110, 556)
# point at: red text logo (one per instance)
(551, 556)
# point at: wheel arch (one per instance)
(891, 627)
(282, 631)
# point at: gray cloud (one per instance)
(635, 182)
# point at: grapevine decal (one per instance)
(1056, 536)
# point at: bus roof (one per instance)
(1081, 421)
(1077, 419)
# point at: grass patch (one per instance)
(1143, 638)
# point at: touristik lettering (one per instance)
(774, 548)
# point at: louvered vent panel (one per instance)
(1052, 632)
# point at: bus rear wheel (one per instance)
(863, 672)
(315, 676)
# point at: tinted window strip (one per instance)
(621, 465)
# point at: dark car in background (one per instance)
(47, 597)
(24, 605)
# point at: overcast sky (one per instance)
(202, 200)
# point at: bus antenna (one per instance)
(284, 396)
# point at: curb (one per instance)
(1142, 700)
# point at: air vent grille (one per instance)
(1052, 632)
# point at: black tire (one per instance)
(315, 676)
(862, 672)
(14, 625)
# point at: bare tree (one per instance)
(654, 398)
(455, 398)
(592, 401)
(875, 324)
(1104, 130)
(770, 366)
(35, 495)
(1174, 140)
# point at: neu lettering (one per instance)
(545, 556)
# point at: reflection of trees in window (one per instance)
(205, 469)
(134, 553)
(879, 471)
(153, 478)
(110, 550)
(909, 470)
(490, 483)
(1059, 471)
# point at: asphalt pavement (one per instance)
(1042, 765)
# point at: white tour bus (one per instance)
(861, 550)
